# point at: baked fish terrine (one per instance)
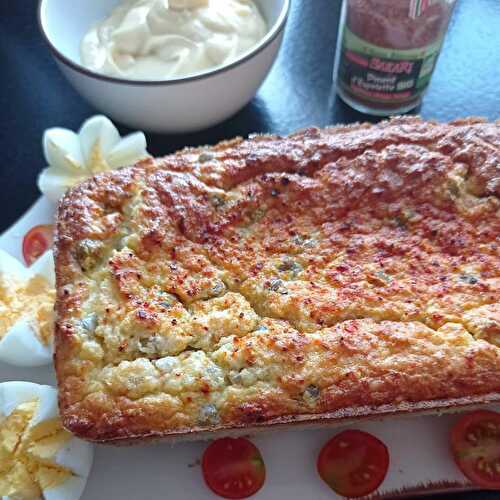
(331, 274)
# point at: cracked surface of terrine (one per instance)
(332, 273)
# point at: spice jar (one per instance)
(387, 51)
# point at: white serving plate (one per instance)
(418, 446)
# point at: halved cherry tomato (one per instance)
(233, 468)
(36, 242)
(353, 463)
(475, 444)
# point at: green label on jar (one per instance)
(379, 74)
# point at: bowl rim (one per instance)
(271, 35)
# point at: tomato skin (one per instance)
(36, 242)
(233, 468)
(353, 463)
(475, 446)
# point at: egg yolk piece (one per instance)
(32, 299)
(27, 454)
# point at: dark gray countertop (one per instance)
(34, 95)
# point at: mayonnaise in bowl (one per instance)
(168, 39)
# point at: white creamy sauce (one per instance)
(164, 39)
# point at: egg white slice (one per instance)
(73, 157)
(98, 136)
(75, 454)
(44, 266)
(20, 344)
(12, 269)
(61, 147)
(13, 394)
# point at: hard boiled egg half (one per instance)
(73, 157)
(27, 298)
(38, 457)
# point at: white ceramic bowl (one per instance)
(173, 106)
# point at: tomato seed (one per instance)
(343, 444)
(472, 437)
(366, 476)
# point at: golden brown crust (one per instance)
(330, 274)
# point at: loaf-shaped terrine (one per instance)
(333, 274)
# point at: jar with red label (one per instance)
(387, 51)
